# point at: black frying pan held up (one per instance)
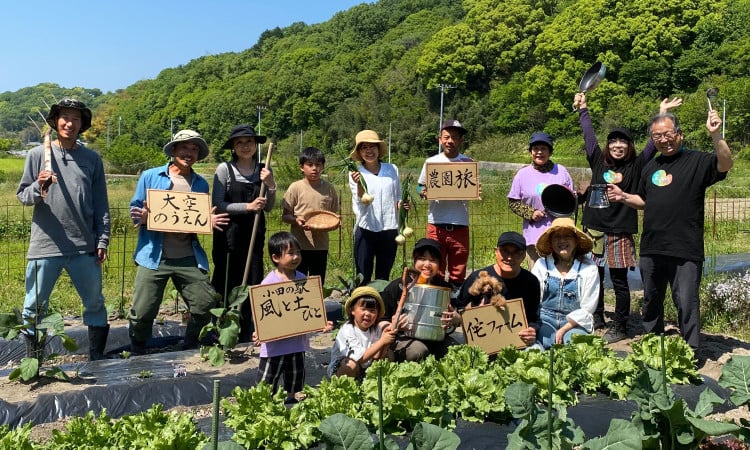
(592, 77)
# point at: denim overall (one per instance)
(559, 298)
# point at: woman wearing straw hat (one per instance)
(376, 210)
(569, 282)
(236, 191)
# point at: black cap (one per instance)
(243, 131)
(453, 123)
(541, 137)
(511, 237)
(621, 133)
(427, 243)
(70, 103)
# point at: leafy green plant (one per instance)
(340, 431)
(678, 357)
(151, 429)
(16, 438)
(226, 326)
(11, 325)
(145, 374)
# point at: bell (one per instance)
(598, 196)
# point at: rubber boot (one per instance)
(193, 330)
(34, 349)
(97, 342)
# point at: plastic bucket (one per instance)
(424, 307)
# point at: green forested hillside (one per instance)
(514, 66)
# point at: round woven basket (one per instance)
(322, 220)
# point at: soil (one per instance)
(716, 350)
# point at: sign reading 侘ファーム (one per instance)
(492, 329)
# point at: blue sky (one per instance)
(110, 45)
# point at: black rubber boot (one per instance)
(34, 349)
(97, 342)
(599, 321)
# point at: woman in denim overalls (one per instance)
(569, 282)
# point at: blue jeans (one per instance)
(86, 276)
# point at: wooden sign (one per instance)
(286, 309)
(452, 181)
(493, 329)
(179, 212)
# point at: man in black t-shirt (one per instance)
(519, 282)
(671, 193)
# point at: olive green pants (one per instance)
(191, 282)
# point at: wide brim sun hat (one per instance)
(187, 136)
(544, 243)
(69, 103)
(370, 137)
(242, 131)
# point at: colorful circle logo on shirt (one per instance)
(539, 188)
(612, 177)
(660, 178)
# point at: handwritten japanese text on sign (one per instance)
(493, 329)
(179, 212)
(452, 181)
(286, 309)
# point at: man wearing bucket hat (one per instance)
(448, 220)
(671, 193)
(161, 256)
(525, 195)
(517, 282)
(364, 338)
(376, 211)
(569, 282)
(236, 191)
(70, 226)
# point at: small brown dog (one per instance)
(489, 288)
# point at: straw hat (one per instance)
(368, 136)
(584, 243)
(366, 291)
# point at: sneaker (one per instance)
(599, 321)
(616, 333)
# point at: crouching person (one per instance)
(364, 338)
(177, 256)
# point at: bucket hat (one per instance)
(366, 291)
(583, 241)
(187, 136)
(540, 137)
(242, 131)
(69, 103)
(371, 137)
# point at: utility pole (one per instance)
(260, 109)
(107, 132)
(443, 87)
(119, 123)
(171, 127)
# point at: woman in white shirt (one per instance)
(376, 210)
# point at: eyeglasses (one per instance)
(666, 136)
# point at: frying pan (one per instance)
(592, 78)
(558, 201)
